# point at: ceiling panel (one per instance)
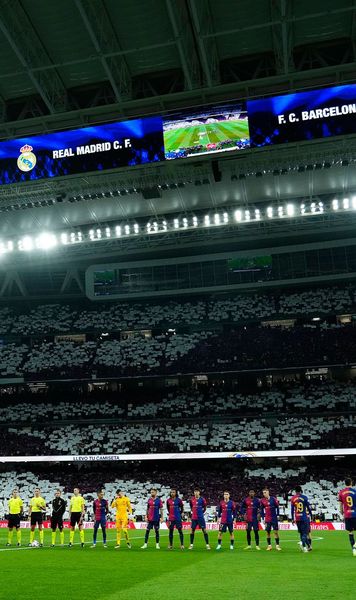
(144, 23)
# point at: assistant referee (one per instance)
(76, 513)
(15, 505)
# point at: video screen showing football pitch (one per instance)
(217, 130)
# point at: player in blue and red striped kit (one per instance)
(270, 514)
(198, 508)
(226, 513)
(250, 508)
(154, 517)
(101, 509)
(347, 499)
(175, 511)
(301, 514)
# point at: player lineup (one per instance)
(252, 509)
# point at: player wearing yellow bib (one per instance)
(76, 516)
(37, 507)
(123, 508)
(15, 505)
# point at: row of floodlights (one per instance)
(47, 240)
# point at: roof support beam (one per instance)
(2, 110)
(71, 275)
(282, 36)
(353, 30)
(87, 59)
(252, 88)
(104, 40)
(12, 283)
(25, 43)
(203, 26)
(185, 43)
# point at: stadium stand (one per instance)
(62, 318)
(11, 359)
(322, 301)
(65, 356)
(246, 434)
(211, 402)
(240, 348)
(44, 319)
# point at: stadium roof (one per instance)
(67, 63)
(78, 62)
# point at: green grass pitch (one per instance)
(329, 572)
(205, 134)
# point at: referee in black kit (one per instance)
(58, 509)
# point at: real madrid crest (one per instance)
(27, 159)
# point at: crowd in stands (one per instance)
(210, 335)
(228, 335)
(48, 319)
(12, 357)
(239, 348)
(318, 300)
(246, 434)
(319, 414)
(64, 356)
(211, 402)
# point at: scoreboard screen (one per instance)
(96, 148)
(220, 128)
(250, 263)
(209, 130)
(303, 116)
(124, 144)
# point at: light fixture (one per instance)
(335, 204)
(27, 243)
(46, 241)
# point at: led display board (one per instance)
(215, 129)
(302, 116)
(206, 131)
(124, 144)
(95, 148)
(250, 263)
